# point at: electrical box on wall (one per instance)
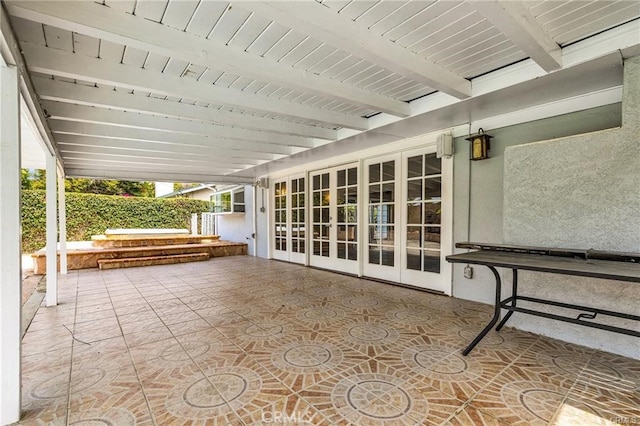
(264, 182)
(444, 146)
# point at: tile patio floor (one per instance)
(242, 340)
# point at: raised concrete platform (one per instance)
(141, 240)
(84, 254)
(151, 260)
(144, 232)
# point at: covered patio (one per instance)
(340, 132)
(244, 340)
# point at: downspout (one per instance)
(254, 212)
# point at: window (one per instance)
(229, 201)
(238, 200)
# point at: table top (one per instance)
(621, 271)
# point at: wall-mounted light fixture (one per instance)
(480, 145)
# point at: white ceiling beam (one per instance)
(79, 171)
(7, 38)
(88, 144)
(182, 159)
(49, 89)
(139, 166)
(140, 162)
(173, 141)
(72, 112)
(321, 23)
(65, 64)
(513, 19)
(168, 140)
(117, 26)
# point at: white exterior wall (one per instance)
(203, 194)
(163, 188)
(238, 227)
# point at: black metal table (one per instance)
(584, 263)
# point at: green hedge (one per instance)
(91, 214)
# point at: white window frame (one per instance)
(232, 201)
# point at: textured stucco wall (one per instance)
(583, 192)
(487, 185)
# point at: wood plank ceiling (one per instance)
(197, 89)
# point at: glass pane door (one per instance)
(382, 255)
(297, 217)
(289, 219)
(280, 233)
(423, 235)
(321, 218)
(424, 201)
(334, 218)
(347, 213)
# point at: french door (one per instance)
(387, 217)
(382, 186)
(423, 263)
(404, 201)
(289, 219)
(334, 218)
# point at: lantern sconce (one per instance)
(480, 145)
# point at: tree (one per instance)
(25, 179)
(37, 180)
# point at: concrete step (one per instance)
(130, 262)
(87, 257)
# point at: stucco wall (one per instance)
(486, 185)
(583, 192)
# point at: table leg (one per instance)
(514, 294)
(496, 313)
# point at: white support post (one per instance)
(62, 212)
(194, 224)
(52, 233)
(10, 246)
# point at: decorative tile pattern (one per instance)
(308, 359)
(245, 341)
(472, 416)
(515, 399)
(442, 367)
(611, 384)
(321, 315)
(213, 395)
(371, 394)
(376, 398)
(508, 344)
